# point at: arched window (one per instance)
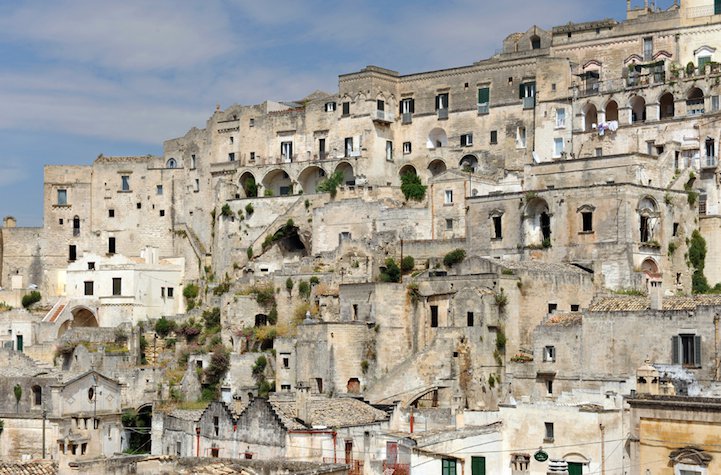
(648, 219)
(638, 109)
(535, 42)
(76, 226)
(537, 224)
(611, 111)
(590, 117)
(694, 102)
(666, 105)
(171, 163)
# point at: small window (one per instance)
(171, 163)
(406, 148)
(549, 353)
(497, 227)
(252, 156)
(442, 101)
(197, 184)
(560, 118)
(552, 307)
(548, 431)
(171, 292)
(521, 137)
(587, 218)
(62, 197)
(557, 147)
(60, 221)
(231, 139)
(449, 224)
(448, 467)
(647, 49)
(434, 316)
(111, 213)
(467, 140)
(162, 292)
(448, 197)
(330, 106)
(138, 205)
(159, 189)
(346, 109)
(380, 105)
(231, 157)
(216, 426)
(575, 307)
(251, 123)
(389, 150)
(598, 152)
(549, 387)
(117, 286)
(469, 319)
(286, 151)
(192, 161)
(687, 350)
(91, 265)
(162, 213)
(111, 245)
(494, 137)
(37, 396)
(285, 387)
(675, 229)
(285, 360)
(91, 395)
(89, 287)
(125, 182)
(72, 253)
(348, 146)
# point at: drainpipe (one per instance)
(717, 360)
(412, 421)
(197, 443)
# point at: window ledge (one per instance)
(447, 204)
(125, 191)
(586, 232)
(61, 206)
(559, 127)
(497, 239)
(548, 440)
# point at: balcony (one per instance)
(709, 162)
(483, 108)
(407, 118)
(384, 117)
(529, 102)
(442, 113)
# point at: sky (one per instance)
(83, 77)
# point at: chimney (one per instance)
(302, 403)
(656, 293)
(9, 222)
(647, 379)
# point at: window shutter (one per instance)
(674, 350)
(400, 107)
(413, 101)
(484, 95)
(437, 102)
(717, 7)
(697, 350)
(520, 91)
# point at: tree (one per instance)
(163, 327)
(330, 184)
(31, 298)
(412, 187)
(697, 258)
(18, 395)
(392, 272)
(407, 264)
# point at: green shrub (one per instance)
(225, 211)
(221, 289)
(392, 272)
(163, 327)
(330, 184)
(289, 285)
(190, 292)
(454, 257)
(268, 192)
(264, 295)
(249, 210)
(31, 298)
(304, 289)
(249, 252)
(218, 366)
(212, 317)
(314, 280)
(412, 187)
(273, 316)
(697, 257)
(407, 264)
(259, 367)
(250, 187)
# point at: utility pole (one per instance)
(603, 449)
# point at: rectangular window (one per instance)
(286, 151)
(192, 162)
(346, 109)
(587, 217)
(117, 286)
(557, 147)
(159, 189)
(62, 197)
(449, 224)
(549, 353)
(560, 118)
(197, 184)
(647, 49)
(717, 7)
(549, 387)
(484, 99)
(330, 106)
(251, 123)
(448, 467)
(644, 230)
(598, 151)
(478, 465)
(389, 150)
(171, 292)
(285, 360)
(406, 148)
(552, 307)
(675, 229)
(162, 292)
(162, 213)
(231, 139)
(521, 137)
(548, 431)
(575, 307)
(442, 101)
(469, 319)
(715, 101)
(125, 183)
(111, 245)
(380, 105)
(494, 137)
(111, 213)
(448, 197)
(252, 156)
(88, 287)
(466, 140)
(407, 106)
(91, 265)
(434, 316)
(348, 146)
(72, 252)
(216, 426)
(497, 228)
(321, 149)
(687, 350)
(231, 157)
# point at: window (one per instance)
(138, 205)
(527, 92)
(494, 137)
(251, 123)
(449, 224)
(216, 426)
(535, 42)
(62, 197)
(575, 307)
(159, 189)
(466, 140)
(346, 109)
(60, 221)
(88, 287)
(521, 137)
(560, 118)
(587, 218)
(111, 213)
(552, 307)
(286, 151)
(442, 101)
(37, 396)
(389, 150)
(321, 149)
(285, 387)
(91, 265)
(557, 147)
(348, 146)
(469, 319)
(192, 161)
(231, 157)
(710, 148)
(117, 286)
(407, 109)
(484, 99)
(162, 213)
(549, 386)
(598, 152)
(647, 49)
(687, 350)
(448, 197)
(675, 229)
(178, 448)
(197, 184)
(380, 105)
(72, 252)
(171, 163)
(434, 316)
(449, 467)
(125, 182)
(330, 106)
(171, 292)
(644, 229)
(285, 360)
(549, 353)
(344, 236)
(549, 432)
(497, 227)
(406, 148)
(714, 103)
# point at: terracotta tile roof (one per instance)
(564, 319)
(329, 412)
(28, 468)
(627, 303)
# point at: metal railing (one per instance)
(442, 113)
(529, 102)
(483, 108)
(407, 118)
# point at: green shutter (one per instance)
(520, 91)
(674, 350)
(697, 350)
(478, 465)
(484, 94)
(717, 7)
(575, 468)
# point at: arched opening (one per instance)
(638, 109)
(437, 138)
(353, 386)
(427, 400)
(537, 224)
(171, 163)
(405, 169)
(277, 183)
(590, 117)
(137, 426)
(248, 185)
(649, 266)
(469, 163)
(261, 320)
(436, 167)
(288, 240)
(535, 42)
(83, 317)
(666, 106)
(648, 217)
(310, 178)
(346, 169)
(694, 102)
(611, 111)
(66, 325)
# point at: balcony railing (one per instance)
(407, 118)
(529, 102)
(709, 162)
(383, 116)
(483, 108)
(442, 113)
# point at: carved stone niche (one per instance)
(690, 455)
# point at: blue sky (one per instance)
(84, 77)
